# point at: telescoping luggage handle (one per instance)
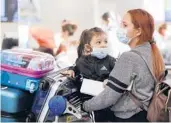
(55, 72)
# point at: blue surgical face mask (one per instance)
(99, 53)
(121, 33)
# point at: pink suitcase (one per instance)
(24, 68)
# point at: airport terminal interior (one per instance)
(85, 60)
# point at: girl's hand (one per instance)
(69, 73)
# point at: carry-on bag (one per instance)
(23, 69)
(13, 117)
(15, 104)
(15, 100)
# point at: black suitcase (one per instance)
(14, 117)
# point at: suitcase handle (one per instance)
(4, 88)
(17, 62)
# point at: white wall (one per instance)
(80, 11)
(54, 11)
(158, 14)
(86, 13)
(119, 7)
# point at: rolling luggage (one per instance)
(15, 100)
(23, 69)
(20, 78)
(14, 117)
(15, 104)
(27, 59)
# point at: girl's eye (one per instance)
(106, 41)
(98, 42)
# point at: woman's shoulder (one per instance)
(130, 55)
(130, 58)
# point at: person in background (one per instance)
(45, 50)
(161, 36)
(166, 36)
(45, 37)
(137, 31)
(110, 25)
(109, 22)
(62, 39)
(9, 43)
(163, 31)
(65, 48)
(93, 62)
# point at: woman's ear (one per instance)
(87, 49)
(139, 31)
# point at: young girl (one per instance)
(93, 61)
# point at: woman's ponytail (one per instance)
(158, 63)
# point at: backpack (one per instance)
(159, 109)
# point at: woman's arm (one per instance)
(105, 99)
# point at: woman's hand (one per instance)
(105, 82)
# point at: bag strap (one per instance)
(138, 53)
(137, 101)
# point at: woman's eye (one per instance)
(106, 41)
(124, 25)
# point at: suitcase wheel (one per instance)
(30, 118)
(44, 85)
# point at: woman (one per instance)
(62, 39)
(162, 39)
(109, 21)
(137, 31)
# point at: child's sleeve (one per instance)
(112, 61)
(75, 68)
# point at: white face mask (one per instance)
(121, 33)
(99, 53)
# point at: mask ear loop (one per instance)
(133, 38)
